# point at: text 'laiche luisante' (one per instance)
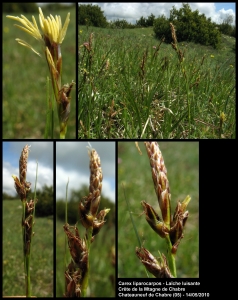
(182, 283)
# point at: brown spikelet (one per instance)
(96, 178)
(159, 176)
(88, 207)
(76, 245)
(77, 268)
(28, 223)
(174, 37)
(21, 185)
(91, 40)
(169, 227)
(159, 270)
(142, 66)
(175, 44)
(22, 188)
(154, 220)
(23, 163)
(64, 100)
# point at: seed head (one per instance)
(22, 186)
(159, 176)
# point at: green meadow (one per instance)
(42, 270)
(133, 86)
(24, 80)
(135, 184)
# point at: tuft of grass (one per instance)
(133, 86)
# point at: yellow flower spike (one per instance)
(50, 27)
(30, 28)
(50, 59)
(51, 34)
(23, 43)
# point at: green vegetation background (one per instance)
(134, 172)
(41, 257)
(119, 103)
(24, 79)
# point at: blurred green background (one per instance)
(24, 78)
(134, 172)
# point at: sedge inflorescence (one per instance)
(168, 227)
(77, 272)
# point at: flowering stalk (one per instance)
(168, 227)
(51, 36)
(175, 44)
(28, 214)
(77, 273)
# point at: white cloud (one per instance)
(45, 176)
(76, 181)
(8, 183)
(72, 162)
(223, 14)
(133, 11)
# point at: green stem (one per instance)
(86, 276)
(49, 112)
(134, 225)
(27, 244)
(63, 130)
(171, 258)
(28, 278)
(26, 256)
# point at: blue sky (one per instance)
(133, 11)
(226, 6)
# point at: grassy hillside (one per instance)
(131, 86)
(24, 80)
